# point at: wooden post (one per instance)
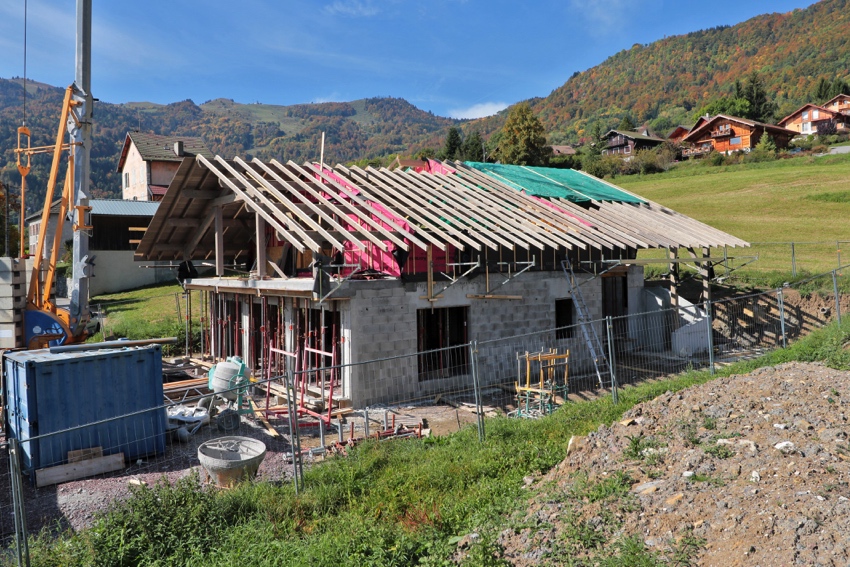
(219, 242)
(706, 271)
(430, 260)
(674, 284)
(261, 247)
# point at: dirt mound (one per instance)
(747, 470)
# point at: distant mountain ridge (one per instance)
(662, 84)
(665, 82)
(353, 130)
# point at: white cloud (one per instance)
(354, 8)
(605, 15)
(333, 97)
(479, 110)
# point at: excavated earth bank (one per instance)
(756, 466)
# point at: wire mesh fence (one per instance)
(62, 478)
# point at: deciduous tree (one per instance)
(523, 140)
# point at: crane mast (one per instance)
(44, 323)
(81, 132)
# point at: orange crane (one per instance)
(46, 324)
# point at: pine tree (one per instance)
(761, 109)
(472, 148)
(626, 124)
(451, 149)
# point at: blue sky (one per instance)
(460, 58)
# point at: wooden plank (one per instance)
(200, 362)
(295, 209)
(183, 384)
(258, 414)
(325, 201)
(82, 469)
(83, 454)
(490, 296)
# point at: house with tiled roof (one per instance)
(840, 103)
(678, 133)
(148, 163)
(729, 134)
(813, 119)
(625, 143)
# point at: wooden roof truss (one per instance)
(353, 208)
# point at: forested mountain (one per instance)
(663, 84)
(353, 130)
(666, 82)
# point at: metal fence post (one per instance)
(294, 437)
(781, 300)
(838, 251)
(21, 537)
(476, 385)
(612, 364)
(710, 332)
(837, 297)
(793, 262)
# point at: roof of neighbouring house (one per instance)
(563, 150)
(802, 108)
(154, 147)
(634, 135)
(109, 207)
(123, 208)
(678, 129)
(835, 98)
(569, 184)
(704, 123)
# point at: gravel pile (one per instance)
(755, 466)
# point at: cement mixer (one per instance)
(230, 380)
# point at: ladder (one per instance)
(591, 337)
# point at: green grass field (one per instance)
(805, 200)
(151, 312)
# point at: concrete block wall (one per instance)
(13, 296)
(382, 319)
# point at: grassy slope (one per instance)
(761, 202)
(145, 313)
(781, 201)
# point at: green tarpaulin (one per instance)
(548, 182)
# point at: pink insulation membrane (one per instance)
(372, 257)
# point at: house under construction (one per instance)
(345, 264)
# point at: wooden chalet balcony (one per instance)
(696, 152)
(721, 133)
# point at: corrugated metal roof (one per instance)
(109, 207)
(122, 208)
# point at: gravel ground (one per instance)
(778, 496)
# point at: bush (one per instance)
(716, 159)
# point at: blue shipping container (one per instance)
(54, 398)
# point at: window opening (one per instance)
(442, 342)
(564, 318)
